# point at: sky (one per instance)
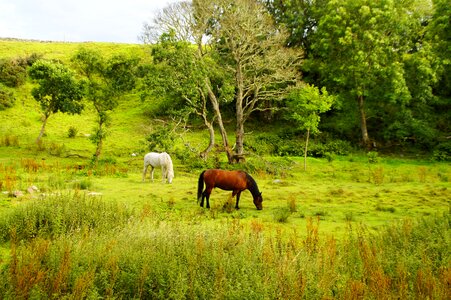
(118, 21)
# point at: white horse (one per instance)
(162, 160)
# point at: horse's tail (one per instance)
(200, 186)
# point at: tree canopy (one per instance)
(58, 90)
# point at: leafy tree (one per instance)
(368, 53)
(58, 90)
(304, 105)
(359, 43)
(195, 75)
(107, 80)
(439, 34)
(179, 73)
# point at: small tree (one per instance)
(107, 79)
(57, 90)
(305, 105)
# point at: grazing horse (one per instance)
(162, 160)
(235, 181)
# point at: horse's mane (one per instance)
(168, 163)
(253, 188)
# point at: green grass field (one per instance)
(328, 232)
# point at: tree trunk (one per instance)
(365, 138)
(306, 148)
(239, 134)
(211, 130)
(215, 104)
(99, 142)
(41, 133)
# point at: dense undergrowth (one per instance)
(92, 249)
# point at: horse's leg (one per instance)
(206, 194)
(144, 172)
(151, 173)
(202, 199)
(238, 194)
(163, 173)
(208, 200)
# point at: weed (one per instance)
(389, 209)
(56, 150)
(84, 184)
(349, 216)
(443, 177)
(291, 203)
(422, 172)
(30, 165)
(373, 157)
(9, 140)
(72, 132)
(378, 175)
(281, 215)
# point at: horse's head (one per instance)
(258, 201)
(170, 176)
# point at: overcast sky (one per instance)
(119, 21)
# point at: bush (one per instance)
(442, 152)
(329, 148)
(13, 72)
(7, 98)
(373, 157)
(9, 140)
(72, 132)
(281, 215)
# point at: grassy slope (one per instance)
(346, 190)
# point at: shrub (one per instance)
(373, 157)
(83, 184)
(7, 98)
(281, 215)
(442, 152)
(329, 148)
(56, 149)
(72, 132)
(9, 140)
(13, 72)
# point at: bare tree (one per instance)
(246, 35)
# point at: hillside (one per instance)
(347, 177)
(352, 225)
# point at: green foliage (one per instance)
(106, 80)
(442, 152)
(57, 90)
(9, 140)
(150, 258)
(58, 215)
(373, 157)
(161, 139)
(13, 72)
(306, 103)
(72, 132)
(7, 98)
(281, 215)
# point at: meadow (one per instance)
(349, 227)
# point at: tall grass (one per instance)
(148, 257)
(58, 214)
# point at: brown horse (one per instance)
(235, 181)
